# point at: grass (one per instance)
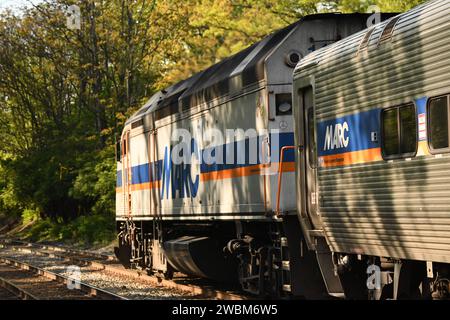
(7, 222)
(92, 230)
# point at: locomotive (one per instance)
(305, 195)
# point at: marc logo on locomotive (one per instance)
(186, 163)
(177, 171)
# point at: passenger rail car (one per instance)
(372, 135)
(224, 220)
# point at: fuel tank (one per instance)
(202, 257)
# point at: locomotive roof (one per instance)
(248, 65)
(213, 81)
(230, 75)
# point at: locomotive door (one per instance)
(158, 259)
(309, 193)
(126, 173)
(309, 158)
(281, 121)
(152, 167)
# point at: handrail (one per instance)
(280, 174)
(265, 142)
(129, 173)
(150, 164)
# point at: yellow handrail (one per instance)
(280, 174)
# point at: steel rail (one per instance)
(17, 291)
(58, 248)
(84, 287)
(138, 275)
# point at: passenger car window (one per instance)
(399, 129)
(438, 123)
(390, 132)
(408, 130)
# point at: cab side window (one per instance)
(438, 132)
(399, 132)
(118, 151)
(124, 147)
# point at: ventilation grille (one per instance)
(136, 124)
(365, 41)
(388, 30)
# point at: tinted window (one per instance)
(390, 132)
(399, 131)
(118, 151)
(408, 131)
(438, 123)
(124, 147)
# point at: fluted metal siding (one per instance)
(398, 208)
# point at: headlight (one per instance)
(283, 104)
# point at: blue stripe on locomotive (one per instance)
(141, 173)
(285, 139)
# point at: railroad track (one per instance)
(108, 265)
(29, 282)
(10, 291)
(67, 250)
